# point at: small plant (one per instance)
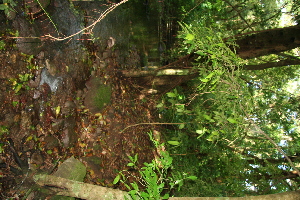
(22, 80)
(3, 132)
(154, 176)
(7, 6)
(2, 45)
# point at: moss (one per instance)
(103, 96)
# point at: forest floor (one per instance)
(40, 128)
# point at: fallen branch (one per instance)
(78, 189)
(148, 124)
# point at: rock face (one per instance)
(97, 96)
(71, 169)
(34, 7)
(28, 41)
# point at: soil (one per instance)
(41, 128)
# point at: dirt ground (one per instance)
(41, 128)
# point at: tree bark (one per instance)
(280, 63)
(163, 72)
(271, 41)
(260, 43)
(80, 190)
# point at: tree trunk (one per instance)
(271, 41)
(280, 63)
(251, 45)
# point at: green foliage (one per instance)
(155, 177)
(22, 80)
(219, 137)
(208, 44)
(210, 115)
(2, 45)
(237, 16)
(3, 132)
(7, 6)
(223, 111)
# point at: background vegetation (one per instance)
(227, 112)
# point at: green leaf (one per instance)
(171, 94)
(135, 157)
(166, 196)
(207, 117)
(49, 151)
(181, 126)
(159, 105)
(57, 110)
(117, 179)
(1, 148)
(3, 7)
(201, 53)
(179, 110)
(15, 103)
(172, 101)
(130, 164)
(231, 120)
(205, 80)
(18, 87)
(173, 142)
(145, 195)
(189, 36)
(192, 177)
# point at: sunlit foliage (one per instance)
(226, 109)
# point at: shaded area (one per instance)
(48, 112)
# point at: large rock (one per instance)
(71, 169)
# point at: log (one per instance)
(78, 189)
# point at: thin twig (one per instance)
(48, 15)
(102, 16)
(274, 143)
(149, 124)
(277, 147)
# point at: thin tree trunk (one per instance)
(280, 63)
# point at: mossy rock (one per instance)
(98, 95)
(102, 97)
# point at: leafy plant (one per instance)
(7, 6)
(155, 177)
(2, 45)
(22, 80)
